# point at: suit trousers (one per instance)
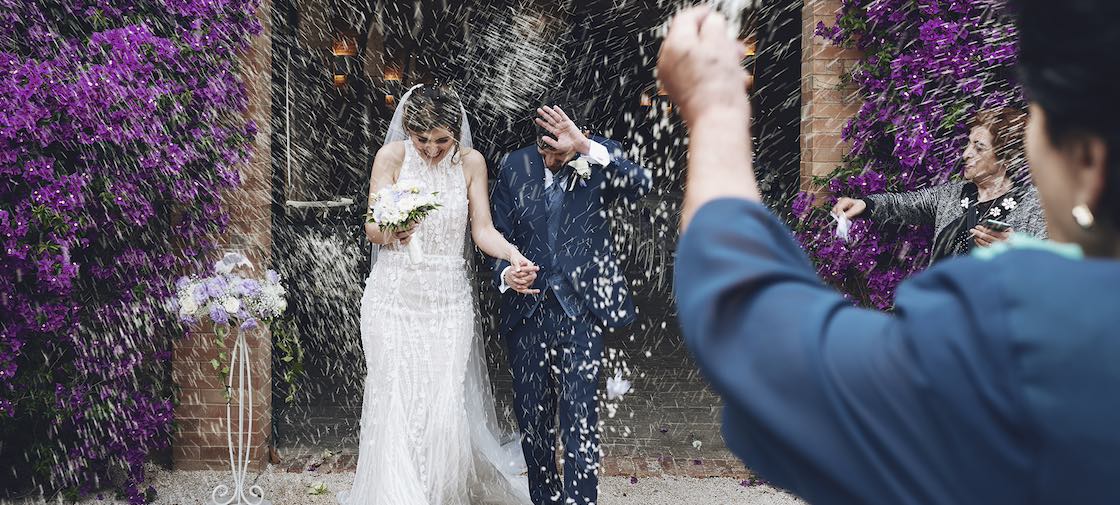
(555, 361)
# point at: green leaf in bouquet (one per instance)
(214, 363)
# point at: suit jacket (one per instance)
(583, 254)
(993, 382)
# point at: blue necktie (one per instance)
(554, 200)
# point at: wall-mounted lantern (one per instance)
(392, 73)
(750, 46)
(342, 50)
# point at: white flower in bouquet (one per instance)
(230, 262)
(400, 206)
(231, 304)
(188, 305)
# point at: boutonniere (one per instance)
(581, 170)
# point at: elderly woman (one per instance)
(995, 379)
(959, 211)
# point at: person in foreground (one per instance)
(995, 379)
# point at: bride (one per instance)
(428, 431)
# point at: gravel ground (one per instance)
(281, 488)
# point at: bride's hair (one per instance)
(434, 106)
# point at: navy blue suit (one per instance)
(993, 382)
(554, 339)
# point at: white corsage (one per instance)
(582, 170)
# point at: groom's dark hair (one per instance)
(575, 108)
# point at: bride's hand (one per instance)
(523, 274)
(404, 236)
(519, 261)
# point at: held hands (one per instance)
(522, 274)
(699, 64)
(568, 137)
(984, 236)
(849, 207)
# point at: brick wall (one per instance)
(200, 437)
(825, 105)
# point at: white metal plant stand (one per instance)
(222, 494)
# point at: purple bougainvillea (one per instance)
(120, 123)
(926, 66)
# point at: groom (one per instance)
(551, 200)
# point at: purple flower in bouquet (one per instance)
(248, 287)
(216, 287)
(201, 295)
(218, 314)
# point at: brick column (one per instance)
(825, 104)
(200, 437)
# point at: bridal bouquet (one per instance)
(400, 206)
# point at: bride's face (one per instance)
(432, 144)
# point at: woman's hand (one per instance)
(984, 236)
(849, 207)
(405, 235)
(522, 273)
(700, 65)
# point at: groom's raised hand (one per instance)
(567, 135)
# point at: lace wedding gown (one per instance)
(428, 429)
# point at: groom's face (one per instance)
(554, 159)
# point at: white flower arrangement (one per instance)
(398, 207)
(228, 298)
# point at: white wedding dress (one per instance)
(428, 428)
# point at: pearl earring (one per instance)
(1083, 216)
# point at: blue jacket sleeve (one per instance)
(841, 404)
(626, 179)
(501, 202)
